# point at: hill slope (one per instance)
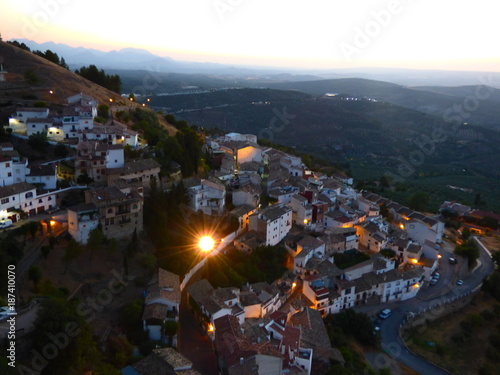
(15, 91)
(434, 101)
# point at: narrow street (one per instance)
(192, 342)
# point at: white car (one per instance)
(5, 223)
(460, 282)
(385, 313)
(5, 312)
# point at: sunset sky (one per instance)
(326, 34)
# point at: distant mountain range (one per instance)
(140, 59)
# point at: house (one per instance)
(313, 336)
(249, 241)
(267, 294)
(23, 196)
(338, 219)
(282, 192)
(94, 158)
(371, 235)
(424, 233)
(293, 164)
(274, 223)
(307, 248)
(369, 208)
(39, 125)
(43, 175)
(339, 240)
(165, 361)
(455, 207)
(163, 297)
(82, 219)
(113, 133)
(301, 210)
(141, 170)
(215, 303)
(242, 151)
(18, 120)
(243, 214)
(207, 196)
(120, 211)
(246, 194)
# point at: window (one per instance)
(7, 165)
(9, 174)
(29, 195)
(40, 201)
(4, 200)
(33, 126)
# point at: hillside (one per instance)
(369, 137)
(16, 92)
(434, 101)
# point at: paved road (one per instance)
(193, 343)
(429, 296)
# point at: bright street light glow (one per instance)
(206, 243)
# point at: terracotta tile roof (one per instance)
(165, 285)
(156, 311)
(21, 187)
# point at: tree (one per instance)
(63, 63)
(60, 327)
(60, 150)
(35, 275)
(32, 228)
(72, 251)
(170, 328)
(31, 78)
(38, 141)
(468, 250)
(99, 77)
(103, 111)
(419, 201)
(134, 245)
(84, 179)
(95, 241)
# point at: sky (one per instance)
(317, 34)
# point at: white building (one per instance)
(163, 297)
(44, 176)
(82, 219)
(301, 210)
(23, 196)
(208, 197)
(274, 222)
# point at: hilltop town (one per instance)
(345, 248)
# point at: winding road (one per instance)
(429, 296)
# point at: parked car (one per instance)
(5, 312)
(5, 223)
(436, 276)
(460, 282)
(433, 281)
(452, 261)
(385, 313)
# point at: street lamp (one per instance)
(206, 244)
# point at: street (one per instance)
(429, 296)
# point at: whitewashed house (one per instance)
(273, 222)
(82, 219)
